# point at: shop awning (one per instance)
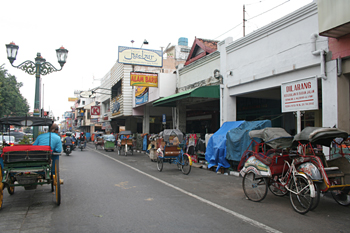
(199, 92)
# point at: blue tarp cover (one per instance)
(238, 140)
(216, 149)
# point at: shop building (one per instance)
(288, 52)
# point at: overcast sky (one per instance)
(93, 30)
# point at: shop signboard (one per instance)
(300, 95)
(143, 79)
(141, 57)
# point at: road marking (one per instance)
(237, 215)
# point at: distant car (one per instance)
(18, 135)
(8, 139)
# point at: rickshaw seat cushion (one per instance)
(26, 153)
(172, 151)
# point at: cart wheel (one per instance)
(132, 151)
(11, 190)
(317, 197)
(125, 149)
(341, 197)
(57, 183)
(96, 146)
(254, 186)
(1, 188)
(159, 164)
(118, 149)
(300, 194)
(52, 183)
(185, 165)
(277, 188)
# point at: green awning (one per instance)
(199, 92)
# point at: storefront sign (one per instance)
(95, 110)
(72, 99)
(142, 57)
(143, 79)
(299, 95)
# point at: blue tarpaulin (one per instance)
(216, 149)
(238, 140)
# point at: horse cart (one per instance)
(28, 165)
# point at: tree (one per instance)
(11, 100)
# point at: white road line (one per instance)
(240, 216)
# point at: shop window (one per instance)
(308, 120)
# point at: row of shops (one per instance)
(290, 72)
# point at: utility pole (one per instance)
(244, 20)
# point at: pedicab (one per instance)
(328, 174)
(98, 139)
(28, 165)
(108, 142)
(172, 152)
(272, 165)
(125, 142)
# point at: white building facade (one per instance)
(255, 67)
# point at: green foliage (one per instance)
(11, 100)
(26, 139)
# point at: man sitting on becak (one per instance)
(53, 140)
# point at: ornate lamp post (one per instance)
(39, 67)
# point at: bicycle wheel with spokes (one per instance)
(159, 164)
(254, 186)
(300, 194)
(185, 165)
(341, 197)
(277, 188)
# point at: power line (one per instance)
(252, 17)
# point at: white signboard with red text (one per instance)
(300, 95)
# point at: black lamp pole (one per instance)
(40, 67)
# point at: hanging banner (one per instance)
(143, 79)
(141, 95)
(299, 95)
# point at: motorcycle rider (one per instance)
(67, 141)
(82, 138)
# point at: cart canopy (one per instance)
(319, 135)
(125, 132)
(171, 132)
(26, 121)
(275, 137)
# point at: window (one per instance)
(117, 89)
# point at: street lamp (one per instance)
(40, 67)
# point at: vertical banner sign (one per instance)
(299, 95)
(164, 119)
(141, 95)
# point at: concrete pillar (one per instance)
(181, 117)
(145, 121)
(330, 96)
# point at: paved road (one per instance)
(104, 192)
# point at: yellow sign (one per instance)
(143, 79)
(142, 57)
(72, 99)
